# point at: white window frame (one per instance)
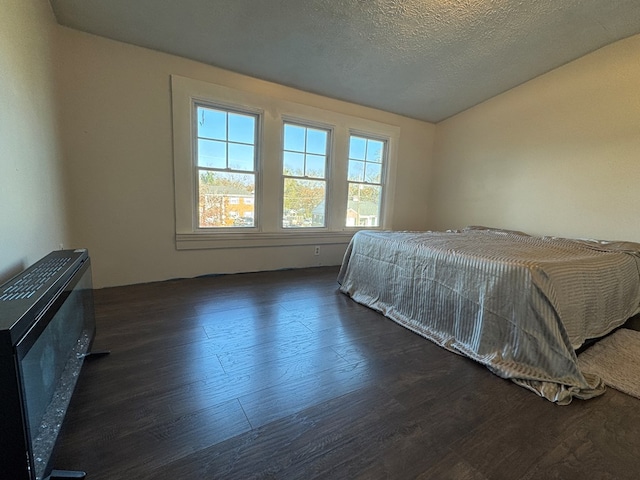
(307, 123)
(272, 114)
(383, 176)
(196, 168)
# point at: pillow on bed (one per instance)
(610, 245)
(494, 230)
(616, 245)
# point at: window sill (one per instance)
(206, 240)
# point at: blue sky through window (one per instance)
(305, 151)
(225, 139)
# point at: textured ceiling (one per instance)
(426, 59)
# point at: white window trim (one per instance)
(273, 113)
(258, 113)
(304, 122)
(384, 212)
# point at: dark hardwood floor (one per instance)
(279, 376)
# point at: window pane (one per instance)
(212, 154)
(294, 138)
(374, 151)
(242, 128)
(356, 171)
(373, 172)
(226, 199)
(241, 157)
(304, 203)
(316, 141)
(357, 147)
(316, 166)
(363, 209)
(293, 164)
(212, 123)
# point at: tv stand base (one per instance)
(63, 474)
(95, 354)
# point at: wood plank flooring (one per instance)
(277, 375)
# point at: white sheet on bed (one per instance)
(516, 303)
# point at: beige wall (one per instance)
(32, 220)
(116, 131)
(558, 155)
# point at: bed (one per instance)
(519, 304)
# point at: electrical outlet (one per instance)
(316, 251)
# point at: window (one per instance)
(226, 167)
(304, 170)
(254, 170)
(364, 174)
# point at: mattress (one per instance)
(519, 304)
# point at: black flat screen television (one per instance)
(47, 326)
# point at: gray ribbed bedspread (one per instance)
(518, 304)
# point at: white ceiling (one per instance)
(426, 59)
